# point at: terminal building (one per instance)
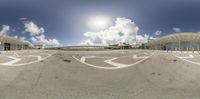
(82, 48)
(120, 46)
(87, 47)
(177, 42)
(38, 46)
(11, 43)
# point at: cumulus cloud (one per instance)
(87, 42)
(24, 40)
(5, 29)
(143, 39)
(32, 28)
(124, 31)
(38, 36)
(158, 32)
(15, 36)
(175, 29)
(41, 39)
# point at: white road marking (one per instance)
(190, 56)
(83, 58)
(93, 65)
(135, 57)
(185, 59)
(38, 60)
(16, 59)
(110, 61)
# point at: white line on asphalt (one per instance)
(135, 57)
(116, 65)
(83, 58)
(190, 56)
(110, 61)
(185, 59)
(93, 65)
(15, 60)
(39, 59)
(12, 63)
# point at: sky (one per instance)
(65, 22)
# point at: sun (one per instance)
(99, 22)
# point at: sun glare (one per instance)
(98, 22)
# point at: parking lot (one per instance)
(110, 74)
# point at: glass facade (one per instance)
(179, 46)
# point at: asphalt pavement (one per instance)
(117, 74)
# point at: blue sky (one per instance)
(66, 20)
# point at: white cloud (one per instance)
(175, 29)
(47, 42)
(87, 42)
(143, 39)
(32, 28)
(24, 40)
(15, 36)
(158, 32)
(37, 35)
(5, 29)
(124, 31)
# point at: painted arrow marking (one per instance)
(15, 60)
(186, 59)
(83, 61)
(110, 61)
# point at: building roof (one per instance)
(120, 44)
(12, 40)
(86, 46)
(176, 37)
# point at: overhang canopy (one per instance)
(12, 40)
(176, 37)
